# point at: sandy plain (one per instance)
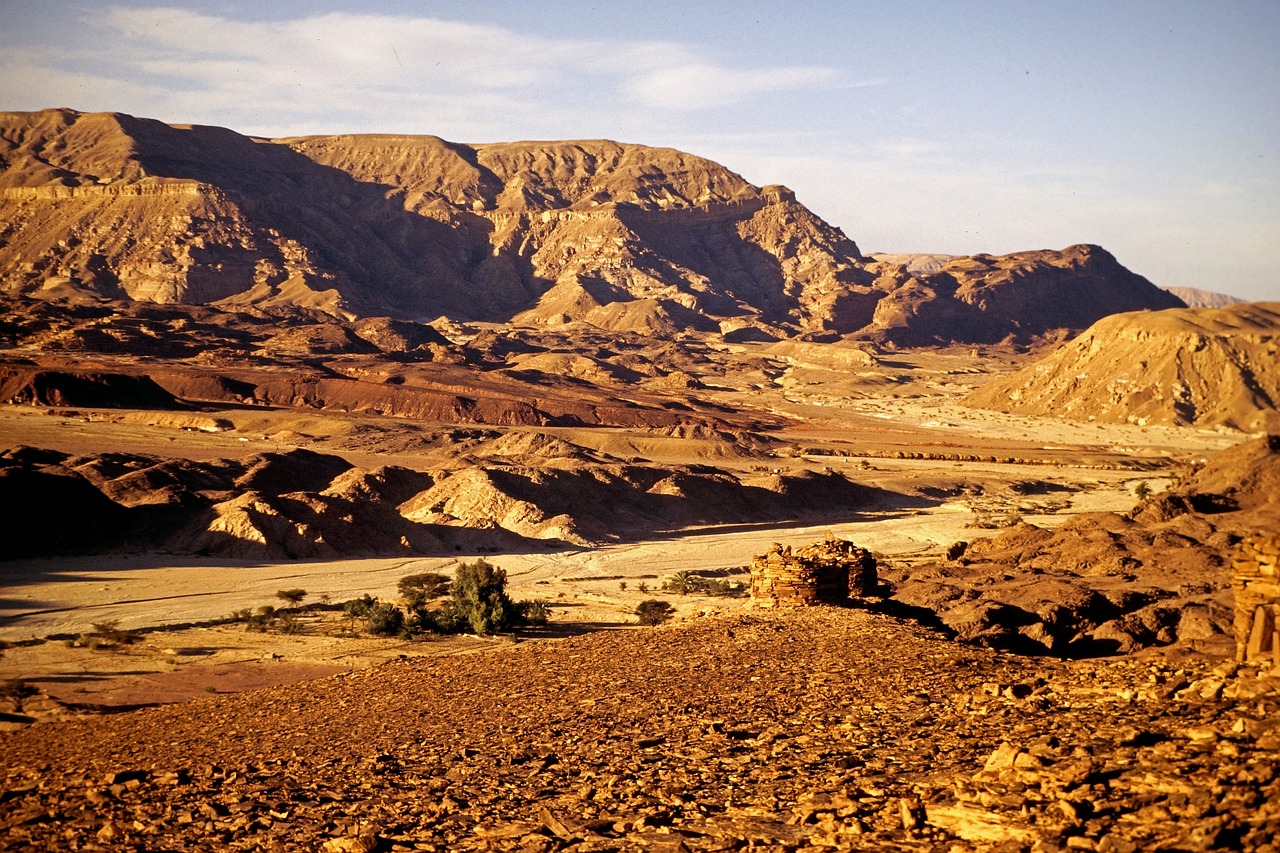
(851, 423)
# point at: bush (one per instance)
(357, 608)
(681, 582)
(1143, 490)
(108, 634)
(424, 586)
(479, 594)
(384, 619)
(536, 612)
(654, 612)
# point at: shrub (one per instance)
(424, 586)
(291, 596)
(422, 620)
(357, 608)
(479, 594)
(682, 582)
(654, 612)
(535, 612)
(106, 635)
(384, 619)
(1142, 490)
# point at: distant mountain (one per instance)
(1204, 367)
(1196, 298)
(622, 237)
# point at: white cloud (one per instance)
(700, 85)
(403, 73)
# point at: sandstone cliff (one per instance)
(622, 237)
(1202, 367)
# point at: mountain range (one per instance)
(620, 237)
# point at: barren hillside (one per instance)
(1202, 367)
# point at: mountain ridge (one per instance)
(620, 236)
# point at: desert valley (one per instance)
(265, 398)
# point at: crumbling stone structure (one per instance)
(1256, 579)
(827, 572)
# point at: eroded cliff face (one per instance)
(623, 237)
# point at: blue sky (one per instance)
(1151, 128)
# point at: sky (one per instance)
(1150, 128)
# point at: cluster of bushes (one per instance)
(474, 600)
(983, 520)
(688, 583)
(105, 635)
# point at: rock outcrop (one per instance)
(1106, 583)
(1196, 367)
(299, 504)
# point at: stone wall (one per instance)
(827, 572)
(1256, 579)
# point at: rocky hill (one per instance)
(299, 504)
(1106, 583)
(622, 237)
(1202, 367)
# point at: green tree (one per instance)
(479, 594)
(682, 582)
(424, 586)
(291, 596)
(1143, 490)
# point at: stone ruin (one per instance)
(827, 572)
(1256, 579)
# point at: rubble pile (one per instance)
(1256, 579)
(827, 572)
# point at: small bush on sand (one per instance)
(654, 612)
(108, 635)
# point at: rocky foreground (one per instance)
(824, 728)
